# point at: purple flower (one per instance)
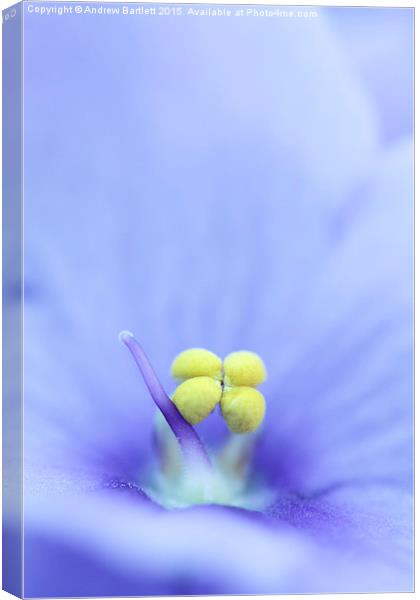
(238, 195)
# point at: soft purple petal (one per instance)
(379, 45)
(341, 390)
(234, 203)
(303, 545)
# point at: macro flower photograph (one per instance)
(218, 318)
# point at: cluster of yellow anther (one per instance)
(208, 381)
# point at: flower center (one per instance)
(187, 474)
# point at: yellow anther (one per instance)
(196, 398)
(196, 362)
(244, 368)
(243, 408)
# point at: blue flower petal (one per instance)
(340, 394)
(379, 47)
(191, 176)
(326, 544)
